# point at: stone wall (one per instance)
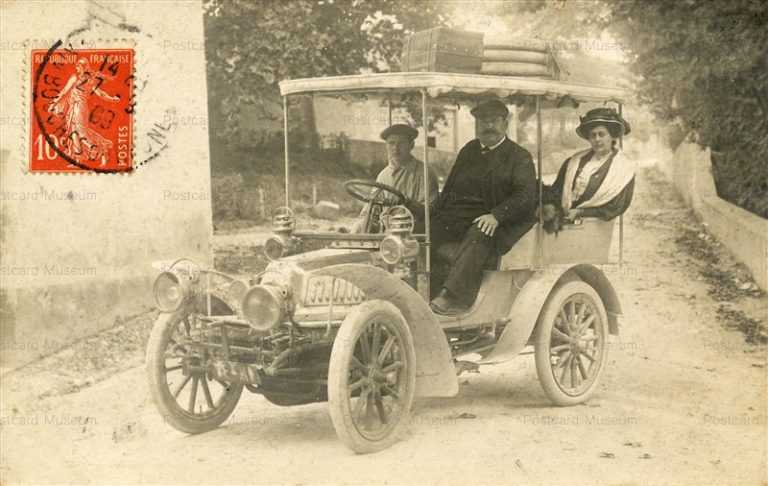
(76, 249)
(743, 233)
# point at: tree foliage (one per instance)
(705, 65)
(251, 45)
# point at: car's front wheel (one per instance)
(372, 377)
(185, 396)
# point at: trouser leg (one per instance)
(439, 234)
(464, 279)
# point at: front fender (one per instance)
(530, 300)
(435, 372)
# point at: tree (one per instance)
(705, 64)
(251, 45)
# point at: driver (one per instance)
(403, 172)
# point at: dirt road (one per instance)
(683, 402)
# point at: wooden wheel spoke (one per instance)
(558, 334)
(566, 362)
(356, 385)
(559, 348)
(386, 349)
(380, 409)
(572, 312)
(357, 364)
(193, 395)
(181, 386)
(574, 377)
(583, 326)
(588, 356)
(376, 340)
(369, 406)
(390, 391)
(392, 367)
(365, 346)
(207, 393)
(361, 401)
(565, 355)
(582, 370)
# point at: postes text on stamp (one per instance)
(82, 110)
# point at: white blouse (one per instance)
(582, 180)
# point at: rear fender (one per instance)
(530, 301)
(435, 372)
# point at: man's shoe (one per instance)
(446, 304)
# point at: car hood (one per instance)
(313, 260)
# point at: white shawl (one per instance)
(620, 173)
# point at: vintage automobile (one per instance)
(345, 318)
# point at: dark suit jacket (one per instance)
(509, 189)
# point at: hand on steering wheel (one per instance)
(369, 192)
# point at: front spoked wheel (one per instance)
(185, 396)
(372, 377)
(570, 347)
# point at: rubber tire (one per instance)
(158, 385)
(543, 335)
(338, 375)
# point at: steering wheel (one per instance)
(377, 195)
(360, 190)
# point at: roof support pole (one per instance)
(287, 160)
(540, 226)
(621, 216)
(427, 238)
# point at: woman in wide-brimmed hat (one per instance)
(597, 182)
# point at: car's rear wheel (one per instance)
(570, 343)
(372, 377)
(185, 396)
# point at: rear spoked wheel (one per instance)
(571, 340)
(185, 396)
(372, 377)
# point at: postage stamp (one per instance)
(82, 110)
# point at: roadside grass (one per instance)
(728, 282)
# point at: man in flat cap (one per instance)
(487, 204)
(403, 171)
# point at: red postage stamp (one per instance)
(82, 110)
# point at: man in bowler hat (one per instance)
(487, 204)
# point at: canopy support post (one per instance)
(621, 216)
(540, 226)
(389, 110)
(427, 198)
(287, 160)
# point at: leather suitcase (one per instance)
(443, 50)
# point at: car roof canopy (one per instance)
(455, 86)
